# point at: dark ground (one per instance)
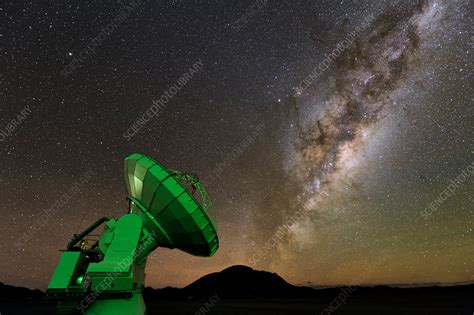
(242, 290)
(274, 307)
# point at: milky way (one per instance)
(366, 74)
(366, 77)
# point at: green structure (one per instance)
(105, 274)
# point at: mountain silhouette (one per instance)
(240, 288)
(8, 292)
(234, 282)
(242, 281)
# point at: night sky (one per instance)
(326, 132)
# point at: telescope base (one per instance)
(133, 306)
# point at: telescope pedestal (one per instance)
(135, 305)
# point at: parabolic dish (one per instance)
(168, 208)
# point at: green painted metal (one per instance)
(125, 241)
(206, 201)
(106, 275)
(158, 193)
(65, 270)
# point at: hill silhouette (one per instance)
(234, 282)
(242, 282)
(239, 289)
(11, 293)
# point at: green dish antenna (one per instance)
(105, 273)
(161, 198)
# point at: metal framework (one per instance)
(194, 181)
